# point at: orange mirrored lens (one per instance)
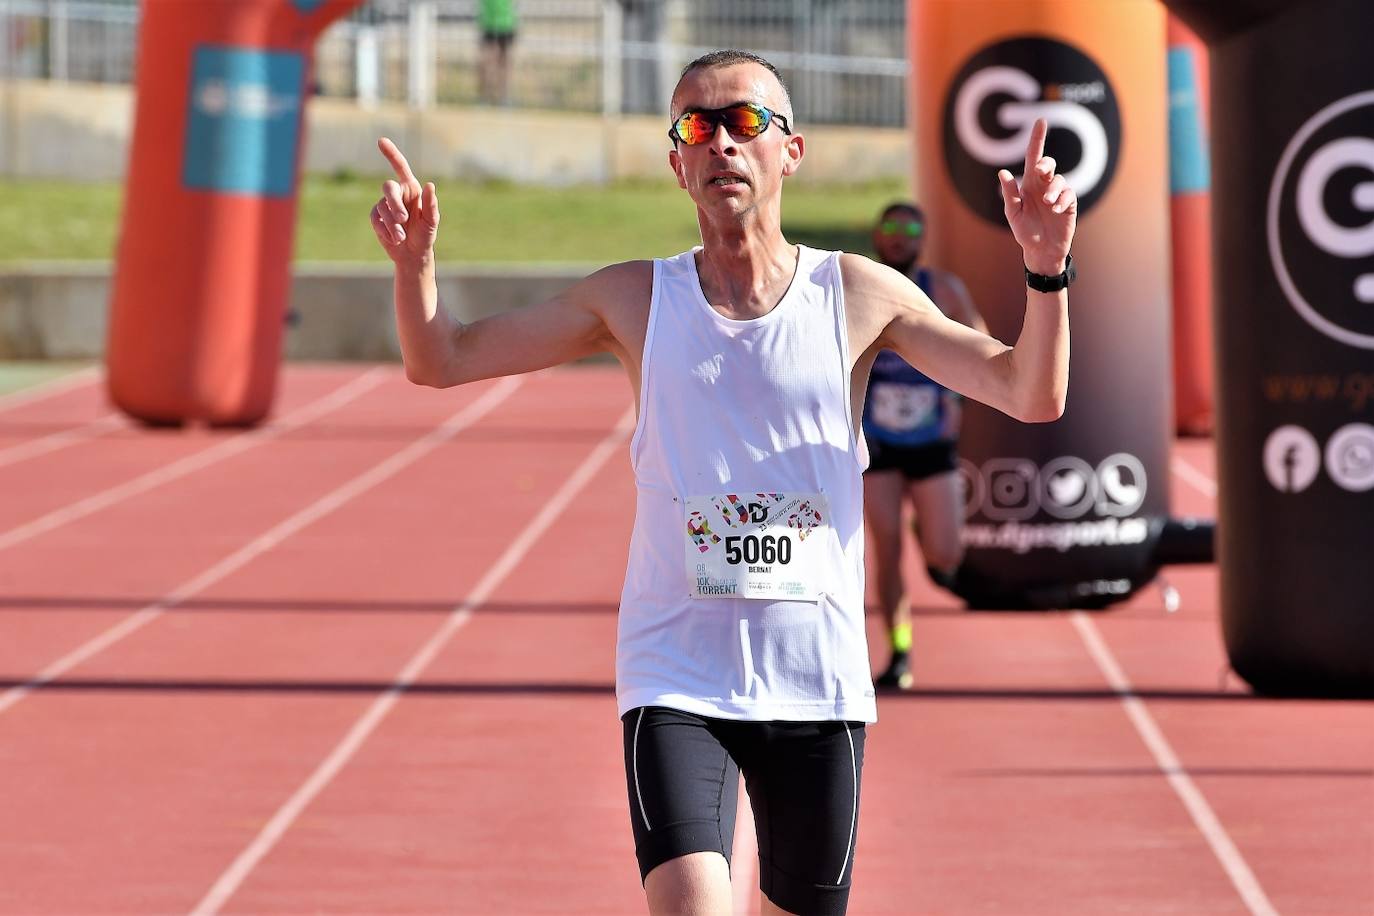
(740, 120)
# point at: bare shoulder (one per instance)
(876, 296)
(860, 273)
(873, 288)
(619, 296)
(616, 290)
(625, 276)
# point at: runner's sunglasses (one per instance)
(743, 120)
(912, 228)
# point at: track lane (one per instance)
(504, 759)
(63, 585)
(185, 752)
(501, 772)
(88, 379)
(40, 494)
(43, 418)
(1290, 782)
(1011, 781)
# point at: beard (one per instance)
(903, 265)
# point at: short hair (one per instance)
(901, 205)
(728, 57)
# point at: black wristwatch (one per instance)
(1053, 284)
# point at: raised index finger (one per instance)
(1035, 148)
(398, 164)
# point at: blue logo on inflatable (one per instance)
(1189, 166)
(244, 120)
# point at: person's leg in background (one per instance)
(493, 68)
(939, 521)
(884, 492)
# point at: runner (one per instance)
(911, 424)
(741, 643)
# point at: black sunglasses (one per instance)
(743, 120)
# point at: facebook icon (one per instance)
(1291, 459)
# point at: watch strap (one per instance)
(1052, 283)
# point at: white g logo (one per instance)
(992, 104)
(1020, 116)
(1325, 233)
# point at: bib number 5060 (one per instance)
(754, 549)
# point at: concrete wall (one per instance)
(59, 311)
(53, 312)
(81, 132)
(56, 130)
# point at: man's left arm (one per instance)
(1028, 381)
(954, 300)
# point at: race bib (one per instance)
(902, 408)
(758, 545)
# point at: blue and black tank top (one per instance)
(905, 407)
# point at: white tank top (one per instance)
(748, 480)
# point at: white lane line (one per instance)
(267, 540)
(744, 859)
(22, 451)
(50, 388)
(191, 463)
(1244, 880)
(1195, 478)
(275, 828)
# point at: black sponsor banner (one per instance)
(1066, 514)
(1293, 192)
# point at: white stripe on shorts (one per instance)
(634, 764)
(854, 816)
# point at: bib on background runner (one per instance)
(902, 408)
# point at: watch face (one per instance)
(1043, 284)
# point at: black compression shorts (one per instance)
(802, 778)
(502, 40)
(916, 463)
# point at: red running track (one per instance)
(360, 661)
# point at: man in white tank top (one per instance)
(741, 642)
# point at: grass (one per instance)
(50, 220)
(45, 220)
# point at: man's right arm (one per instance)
(439, 350)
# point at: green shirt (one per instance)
(496, 16)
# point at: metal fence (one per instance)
(845, 60)
(79, 40)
